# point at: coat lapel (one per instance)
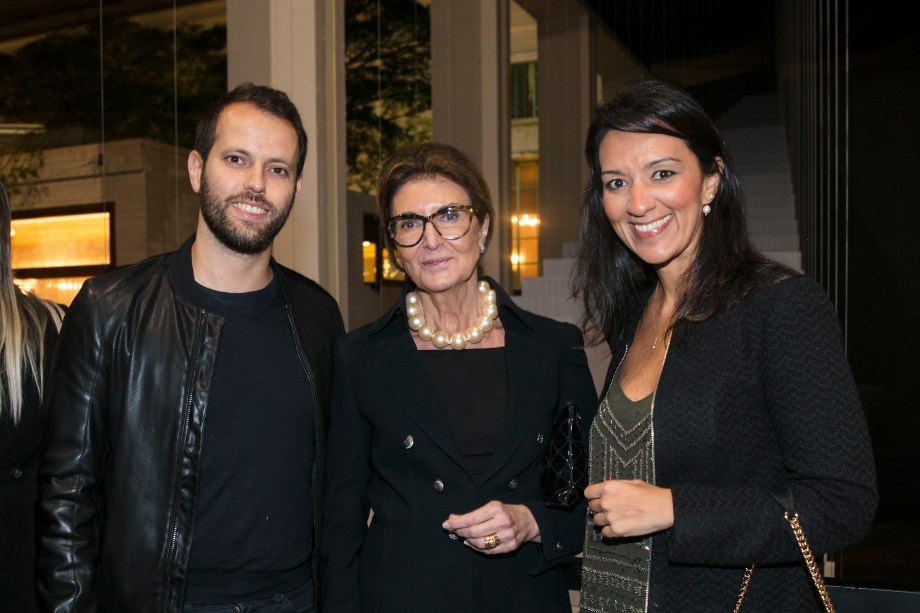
(399, 368)
(395, 360)
(528, 365)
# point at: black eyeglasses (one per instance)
(451, 222)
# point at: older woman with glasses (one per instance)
(441, 418)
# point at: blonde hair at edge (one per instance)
(22, 328)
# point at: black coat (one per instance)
(405, 561)
(126, 415)
(19, 455)
(757, 396)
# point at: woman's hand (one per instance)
(629, 508)
(508, 525)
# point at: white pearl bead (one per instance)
(457, 341)
(439, 340)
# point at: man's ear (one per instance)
(195, 167)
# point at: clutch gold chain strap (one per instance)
(817, 579)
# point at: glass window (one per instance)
(54, 241)
(387, 83)
(525, 222)
(93, 103)
(53, 252)
(523, 90)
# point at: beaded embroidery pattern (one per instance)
(615, 572)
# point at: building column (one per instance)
(469, 102)
(297, 46)
(566, 94)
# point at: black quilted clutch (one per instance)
(565, 474)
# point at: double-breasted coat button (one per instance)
(512, 485)
(408, 442)
(438, 486)
(540, 439)
(558, 546)
(16, 473)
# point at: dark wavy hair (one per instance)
(608, 277)
(432, 160)
(271, 101)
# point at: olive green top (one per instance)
(615, 572)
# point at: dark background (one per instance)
(882, 304)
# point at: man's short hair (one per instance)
(267, 99)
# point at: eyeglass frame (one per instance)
(430, 218)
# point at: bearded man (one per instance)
(189, 396)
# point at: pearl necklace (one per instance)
(457, 340)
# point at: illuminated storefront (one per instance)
(53, 251)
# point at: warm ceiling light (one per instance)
(526, 220)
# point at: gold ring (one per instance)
(491, 541)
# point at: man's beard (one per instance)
(251, 238)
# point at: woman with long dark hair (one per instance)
(728, 383)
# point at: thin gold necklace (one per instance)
(655, 325)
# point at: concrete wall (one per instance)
(145, 184)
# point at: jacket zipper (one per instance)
(188, 416)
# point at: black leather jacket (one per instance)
(126, 409)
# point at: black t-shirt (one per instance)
(253, 532)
